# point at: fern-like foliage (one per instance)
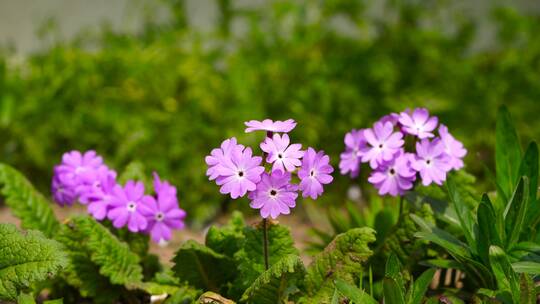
(30, 206)
(341, 259)
(227, 239)
(250, 258)
(100, 265)
(202, 267)
(26, 259)
(274, 285)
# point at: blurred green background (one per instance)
(174, 86)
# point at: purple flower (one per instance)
(283, 156)
(71, 173)
(383, 144)
(392, 118)
(239, 173)
(126, 208)
(418, 123)
(431, 161)
(314, 173)
(218, 155)
(274, 194)
(162, 212)
(96, 191)
(452, 147)
(270, 126)
(355, 142)
(395, 176)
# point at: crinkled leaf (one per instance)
(227, 239)
(27, 203)
(273, 285)
(213, 298)
(25, 259)
(341, 259)
(202, 267)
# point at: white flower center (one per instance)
(160, 216)
(131, 206)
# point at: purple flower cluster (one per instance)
(394, 169)
(83, 177)
(238, 172)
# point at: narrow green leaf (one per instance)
(25, 259)
(487, 230)
(529, 168)
(507, 279)
(441, 238)
(528, 292)
(202, 267)
(445, 264)
(526, 267)
(516, 212)
(26, 203)
(507, 152)
(421, 285)
(463, 213)
(392, 292)
(353, 293)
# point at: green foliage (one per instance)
(26, 203)
(250, 258)
(26, 259)
(227, 239)
(274, 285)
(202, 267)
(507, 153)
(341, 259)
(147, 98)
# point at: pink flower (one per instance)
(314, 173)
(383, 144)
(162, 212)
(392, 118)
(270, 126)
(239, 173)
(431, 161)
(452, 147)
(283, 156)
(126, 207)
(418, 123)
(355, 142)
(395, 176)
(217, 156)
(274, 194)
(97, 193)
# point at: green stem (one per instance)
(265, 242)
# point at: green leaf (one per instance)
(135, 170)
(202, 267)
(353, 293)
(516, 211)
(487, 230)
(25, 259)
(421, 285)
(101, 267)
(507, 279)
(273, 285)
(393, 271)
(341, 259)
(507, 152)
(27, 203)
(250, 259)
(55, 301)
(441, 238)
(463, 213)
(393, 294)
(526, 267)
(227, 239)
(441, 263)
(25, 298)
(527, 288)
(213, 298)
(529, 168)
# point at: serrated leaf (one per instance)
(227, 239)
(341, 259)
(507, 152)
(250, 259)
(202, 267)
(26, 202)
(273, 285)
(354, 293)
(26, 259)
